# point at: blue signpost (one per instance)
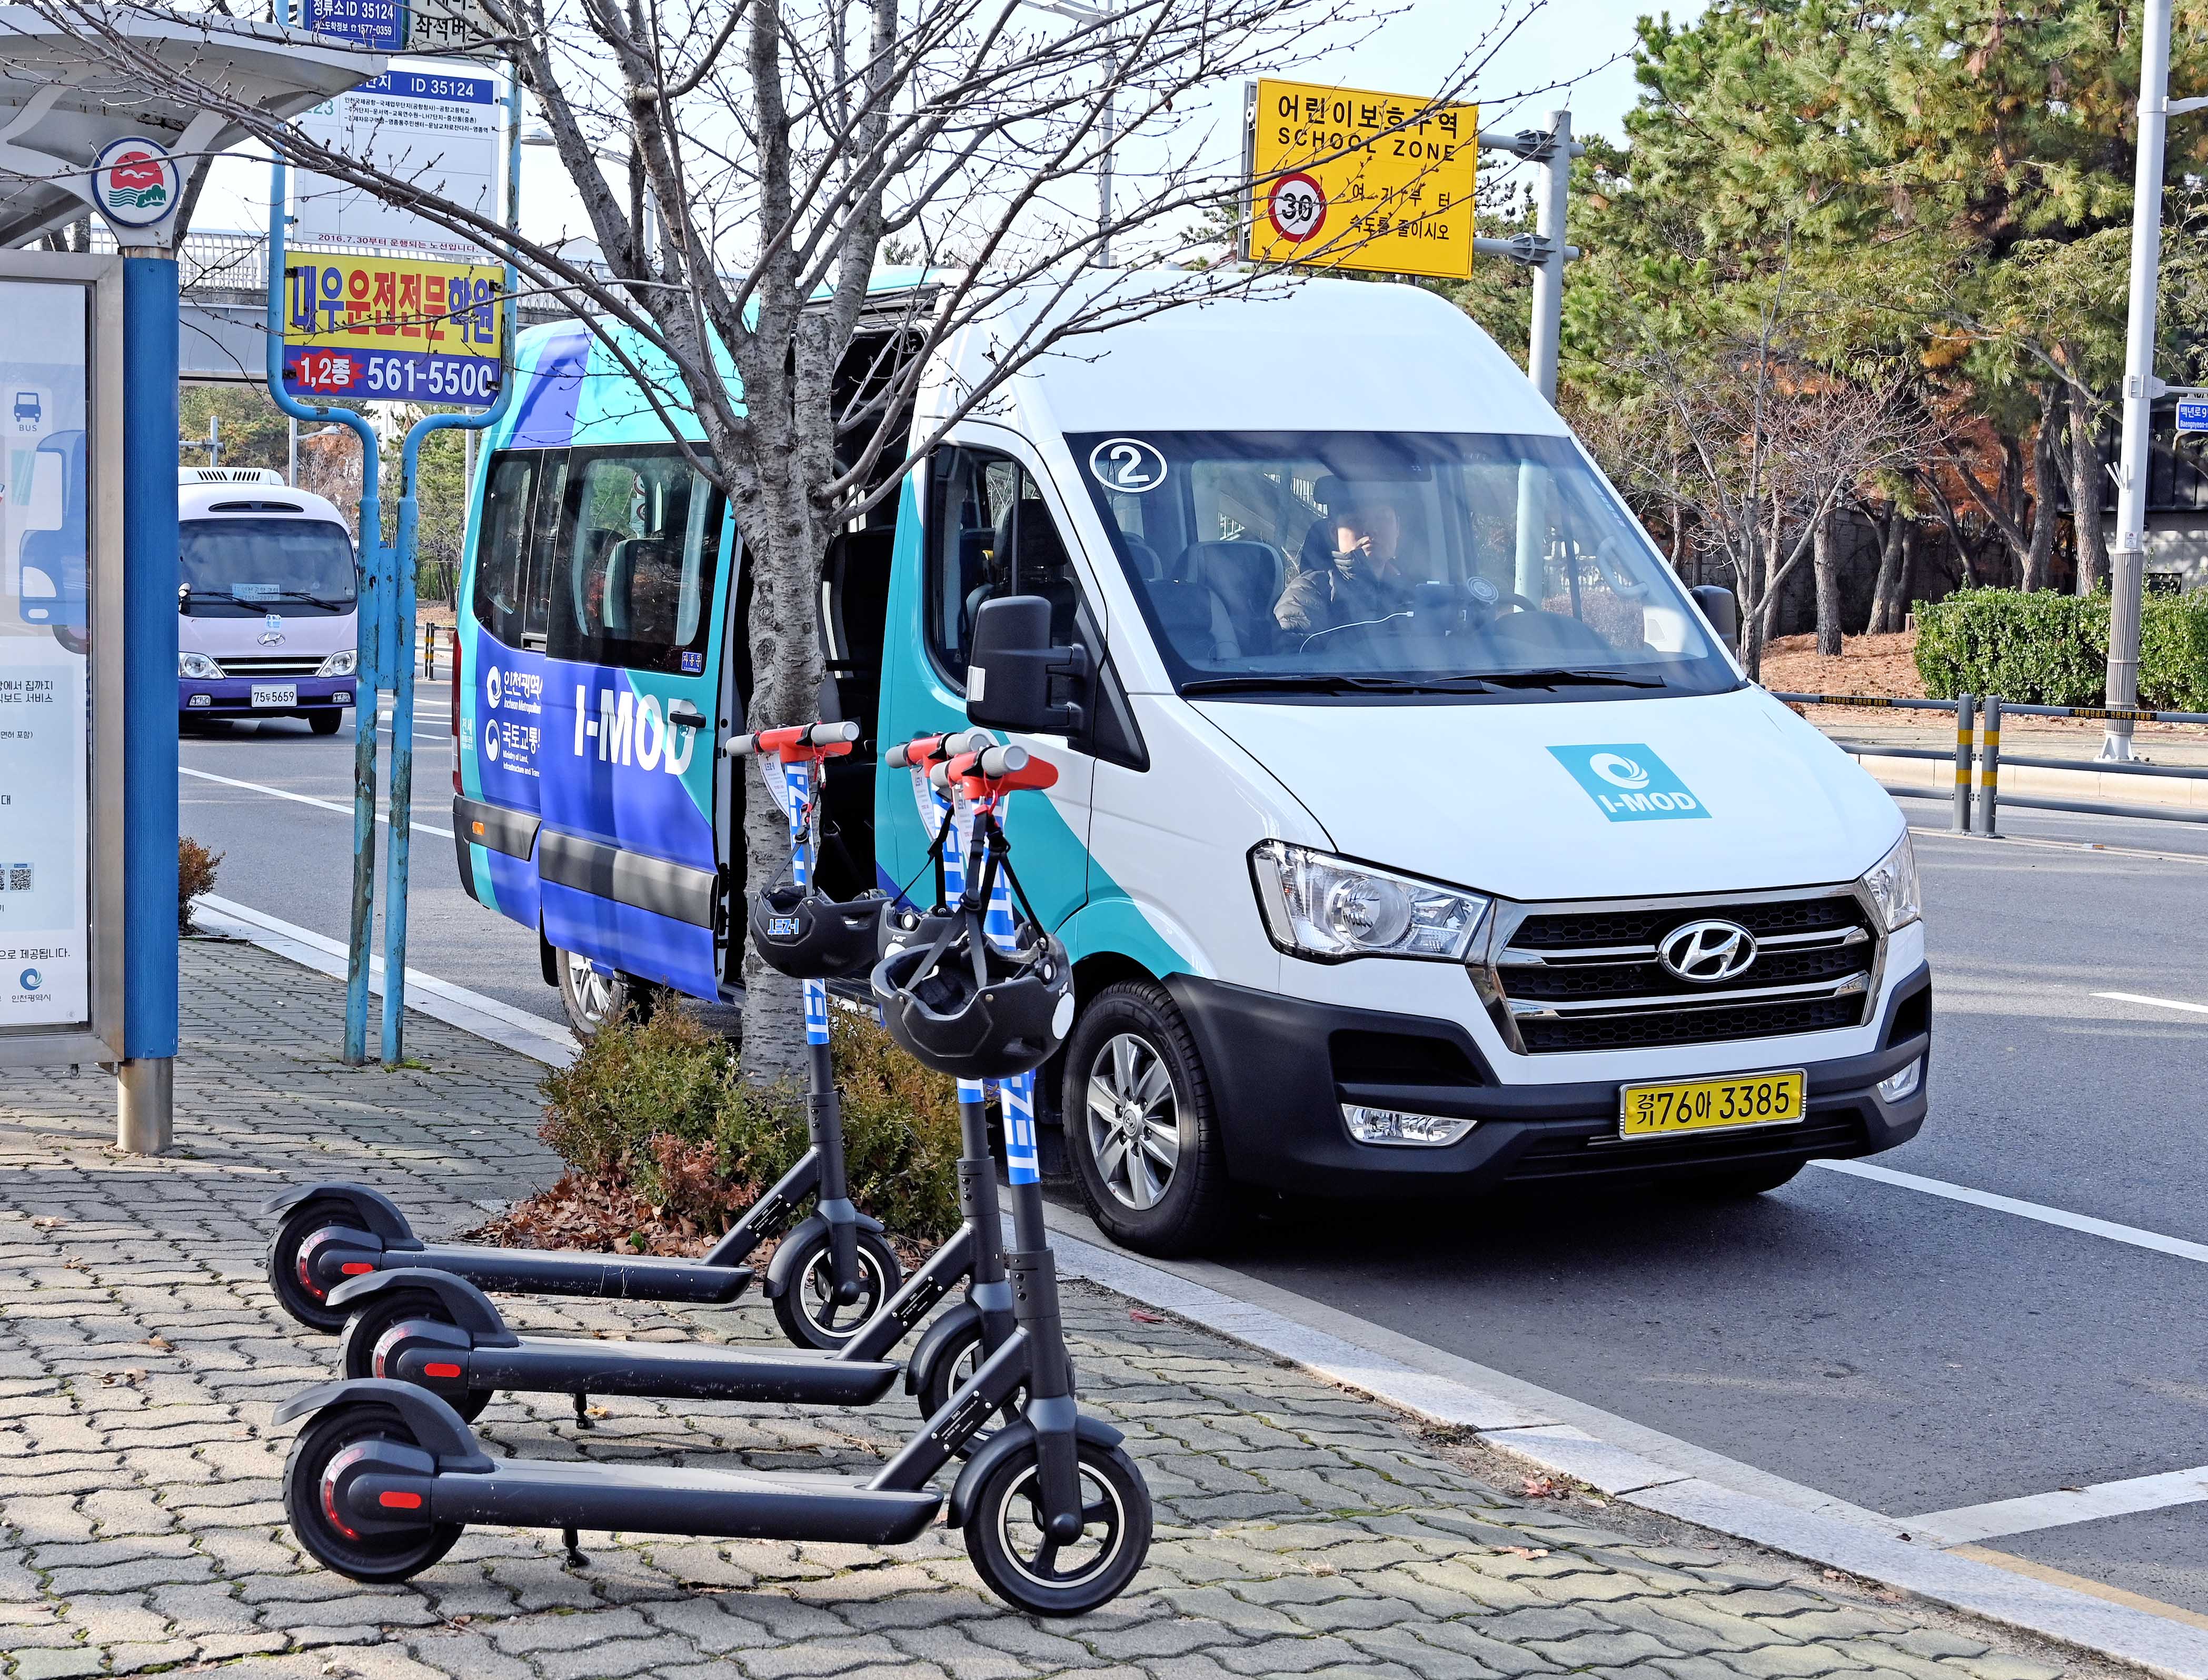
(386, 602)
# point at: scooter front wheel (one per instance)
(293, 1294)
(808, 1311)
(392, 1555)
(367, 1328)
(955, 1364)
(1019, 1562)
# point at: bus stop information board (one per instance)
(46, 906)
(1347, 178)
(391, 329)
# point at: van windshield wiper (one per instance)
(332, 602)
(1335, 682)
(1559, 677)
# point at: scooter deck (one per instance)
(646, 1499)
(667, 1370)
(559, 1271)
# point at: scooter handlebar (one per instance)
(935, 749)
(796, 741)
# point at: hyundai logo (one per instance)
(1707, 952)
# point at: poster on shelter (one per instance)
(46, 740)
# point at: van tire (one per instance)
(593, 1001)
(325, 723)
(1128, 1032)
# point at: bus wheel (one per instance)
(595, 997)
(1141, 1130)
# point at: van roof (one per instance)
(1287, 355)
(258, 501)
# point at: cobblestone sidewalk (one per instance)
(1301, 1530)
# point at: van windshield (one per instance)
(241, 568)
(1360, 563)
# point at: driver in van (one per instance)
(1362, 582)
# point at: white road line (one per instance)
(420, 827)
(2157, 1002)
(502, 1024)
(2070, 1505)
(2046, 1216)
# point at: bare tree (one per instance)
(775, 149)
(1759, 448)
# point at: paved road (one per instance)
(1904, 1353)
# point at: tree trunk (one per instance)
(1825, 563)
(1886, 594)
(2039, 553)
(2088, 483)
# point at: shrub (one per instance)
(658, 1107)
(2052, 649)
(196, 868)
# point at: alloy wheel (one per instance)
(1133, 1119)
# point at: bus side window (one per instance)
(637, 549)
(546, 532)
(502, 544)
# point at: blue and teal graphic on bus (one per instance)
(1629, 782)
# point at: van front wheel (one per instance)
(1140, 1128)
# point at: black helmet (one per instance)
(798, 933)
(1008, 1017)
(903, 924)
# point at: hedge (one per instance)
(659, 1108)
(2052, 649)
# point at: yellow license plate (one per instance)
(1705, 1105)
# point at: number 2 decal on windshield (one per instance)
(1127, 464)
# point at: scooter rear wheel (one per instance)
(292, 1293)
(808, 1311)
(367, 1326)
(374, 1556)
(1019, 1563)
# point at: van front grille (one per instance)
(294, 665)
(1590, 978)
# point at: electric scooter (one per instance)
(439, 1331)
(385, 1477)
(830, 1274)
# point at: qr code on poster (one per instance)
(14, 877)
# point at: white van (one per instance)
(1414, 831)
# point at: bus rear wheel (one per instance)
(596, 996)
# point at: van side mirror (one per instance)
(1719, 608)
(1012, 671)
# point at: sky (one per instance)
(1569, 53)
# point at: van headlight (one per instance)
(197, 665)
(1330, 909)
(340, 665)
(1892, 883)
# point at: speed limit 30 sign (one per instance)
(1297, 207)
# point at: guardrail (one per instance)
(1982, 740)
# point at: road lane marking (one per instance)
(2157, 1002)
(487, 1018)
(1966, 1523)
(420, 827)
(2036, 1211)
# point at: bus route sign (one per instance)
(1342, 177)
(391, 329)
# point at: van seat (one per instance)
(1245, 578)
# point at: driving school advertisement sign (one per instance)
(1346, 178)
(391, 329)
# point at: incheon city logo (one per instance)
(134, 181)
(31, 979)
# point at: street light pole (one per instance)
(2128, 559)
(1081, 13)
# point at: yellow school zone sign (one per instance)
(1343, 177)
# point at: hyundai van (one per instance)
(268, 601)
(1416, 829)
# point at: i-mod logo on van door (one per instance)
(1629, 782)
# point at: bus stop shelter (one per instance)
(88, 566)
